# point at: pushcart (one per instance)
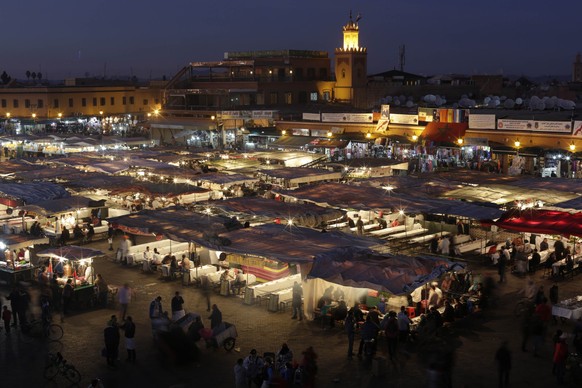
(225, 337)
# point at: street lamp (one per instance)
(460, 141)
(329, 134)
(572, 147)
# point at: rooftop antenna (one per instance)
(402, 56)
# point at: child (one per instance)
(6, 317)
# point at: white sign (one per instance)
(537, 126)
(577, 129)
(264, 114)
(426, 114)
(515, 125)
(481, 121)
(347, 117)
(312, 116)
(553, 126)
(403, 119)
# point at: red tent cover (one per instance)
(444, 132)
(541, 221)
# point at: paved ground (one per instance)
(475, 342)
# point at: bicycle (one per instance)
(43, 329)
(58, 365)
(523, 306)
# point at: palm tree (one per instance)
(33, 75)
(28, 74)
(39, 76)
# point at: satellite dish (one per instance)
(222, 256)
(486, 100)
(518, 101)
(409, 104)
(9, 210)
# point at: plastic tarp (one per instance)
(289, 244)
(175, 224)
(30, 193)
(17, 241)
(62, 205)
(396, 274)
(301, 214)
(541, 221)
(373, 198)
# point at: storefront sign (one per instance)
(426, 114)
(515, 125)
(532, 125)
(477, 121)
(347, 117)
(264, 114)
(312, 116)
(403, 119)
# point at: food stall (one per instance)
(76, 263)
(12, 268)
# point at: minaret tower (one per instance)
(351, 65)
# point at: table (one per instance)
(569, 308)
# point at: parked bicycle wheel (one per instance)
(55, 332)
(72, 374)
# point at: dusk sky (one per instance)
(152, 38)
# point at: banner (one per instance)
(300, 132)
(577, 129)
(515, 125)
(477, 121)
(403, 119)
(312, 116)
(537, 126)
(347, 117)
(426, 114)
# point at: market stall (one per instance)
(15, 261)
(76, 263)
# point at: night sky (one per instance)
(152, 38)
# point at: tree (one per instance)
(28, 74)
(39, 75)
(33, 75)
(5, 78)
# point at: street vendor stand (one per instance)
(569, 309)
(12, 269)
(77, 264)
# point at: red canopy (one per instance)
(541, 221)
(444, 132)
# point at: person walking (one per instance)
(501, 267)
(503, 359)
(102, 290)
(124, 298)
(350, 325)
(177, 307)
(14, 298)
(111, 338)
(6, 317)
(297, 301)
(67, 297)
(206, 291)
(240, 376)
(560, 356)
(129, 330)
(215, 317)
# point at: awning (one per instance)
(541, 221)
(293, 141)
(328, 143)
(444, 132)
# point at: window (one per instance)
(273, 98)
(343, 73)
(15, 103)
(83, 102)
(94, 101)
(289, 98)
(323, 73)
(124, 100)
(313, 96)
(102, 101)
(112, 101)
(131, 102)
(145, 101)
(55, 103)
(40, 103)
(326, 95)
(157, 101)
(4, 103)
(72, 102)
(27, 103)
